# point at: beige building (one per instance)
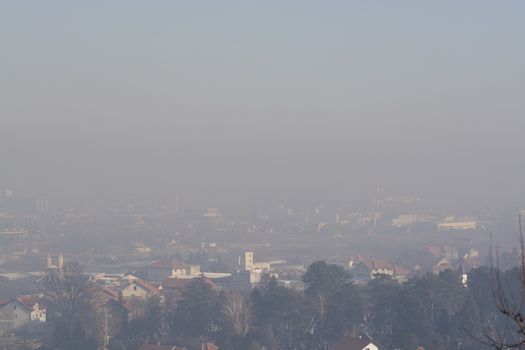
(246, 261)
(457, 225)
(138, 289)
(160, 270)
(406, 220)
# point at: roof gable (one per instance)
(17, 303)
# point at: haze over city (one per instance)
(299, 99)
(239, 144)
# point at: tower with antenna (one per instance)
(379, 200)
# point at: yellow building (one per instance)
(457, 225)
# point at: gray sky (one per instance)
(263, 99)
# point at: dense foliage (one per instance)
(434, 311)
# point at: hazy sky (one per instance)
(266, 98)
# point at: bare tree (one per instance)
(510, 302)
(65, 291)
(236, 309)
(108, 324)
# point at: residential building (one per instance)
(160, 270)
(38, 311)
(406, 220)
(138, 288)
(457, 225)
(365, 269)
(18, 312)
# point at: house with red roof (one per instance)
(38, 311)
(366, 269)
(139, 289)
(20, 311)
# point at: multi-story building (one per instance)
(457, 225)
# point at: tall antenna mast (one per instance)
(379, 212)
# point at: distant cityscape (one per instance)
(135, 255)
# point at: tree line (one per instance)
(437, 312)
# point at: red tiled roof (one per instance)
(110, 292)
(373, 264)
(4, 303)
(150, 288)
(28, 300)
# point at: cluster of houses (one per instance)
(433, 259)
(24, 310)
(157, 279)
(170, 277)
(365, 269)
(162, 278)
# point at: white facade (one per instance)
(406, 220)
(38, 314)
(457, 225)
(371, 346)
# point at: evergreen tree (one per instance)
(197, 312)
(338, 306)
(282, 316)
